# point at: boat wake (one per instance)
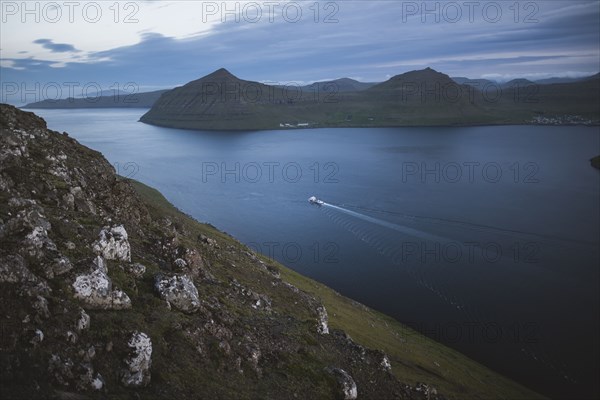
(388, 239)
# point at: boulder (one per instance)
(178, 290)
(37, 242)
(322, 321)
(83, 322)
(139, 361)
(61, 265)
(385, 363)
(346, 385)
(113, 244)
(136, 269)
(95, 289)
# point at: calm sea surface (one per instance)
(484, 238)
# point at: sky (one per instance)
(52, 49)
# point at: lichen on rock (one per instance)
(139, 362)
(113, 244)
(323, 321)
(346, 385)
(178, 290)
(95, 289)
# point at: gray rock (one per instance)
(180, 263)
(83, 322)
(139, 362)
(113, 244)
(100, 264)
(14, 270)
(97, 383)
(71, 337)
(322, 321)
(426, 389)
(37, 242)
(137, 270)
(95, 289)
(40, 305)
(61, 265)
(347, 386)
(206, 240)
(178, 290)
(38, 337)
(61, 370)
(385, 363)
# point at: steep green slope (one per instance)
(221, 101)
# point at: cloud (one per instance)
(56, 47)
(370, 40)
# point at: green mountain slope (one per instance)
(221, 101)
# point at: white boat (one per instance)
(314, 200)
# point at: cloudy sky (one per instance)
(162, 44)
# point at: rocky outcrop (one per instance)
(113, 244)
(178, 291)
(385, 363)
(322, 321)
(74, 374)
(83, 322)
(13, 269)
(139, 362)
(95, 289)
(136, 269)
(346, 385)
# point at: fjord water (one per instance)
(483, 238)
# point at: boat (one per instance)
(314, 200)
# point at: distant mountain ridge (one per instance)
(340, 85)
(473, 82)
(331, 90)
(117, 100)
(547, 81)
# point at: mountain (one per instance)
(108, 291)
(222, 101)
(559, 103)
(339, 85)
(478, 83)
(117, 100)
(418, 77)
(520, 82)
(592, 78)
(425, 97)
(550, 81)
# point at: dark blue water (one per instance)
(484, 238)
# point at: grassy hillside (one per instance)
(221, 101)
